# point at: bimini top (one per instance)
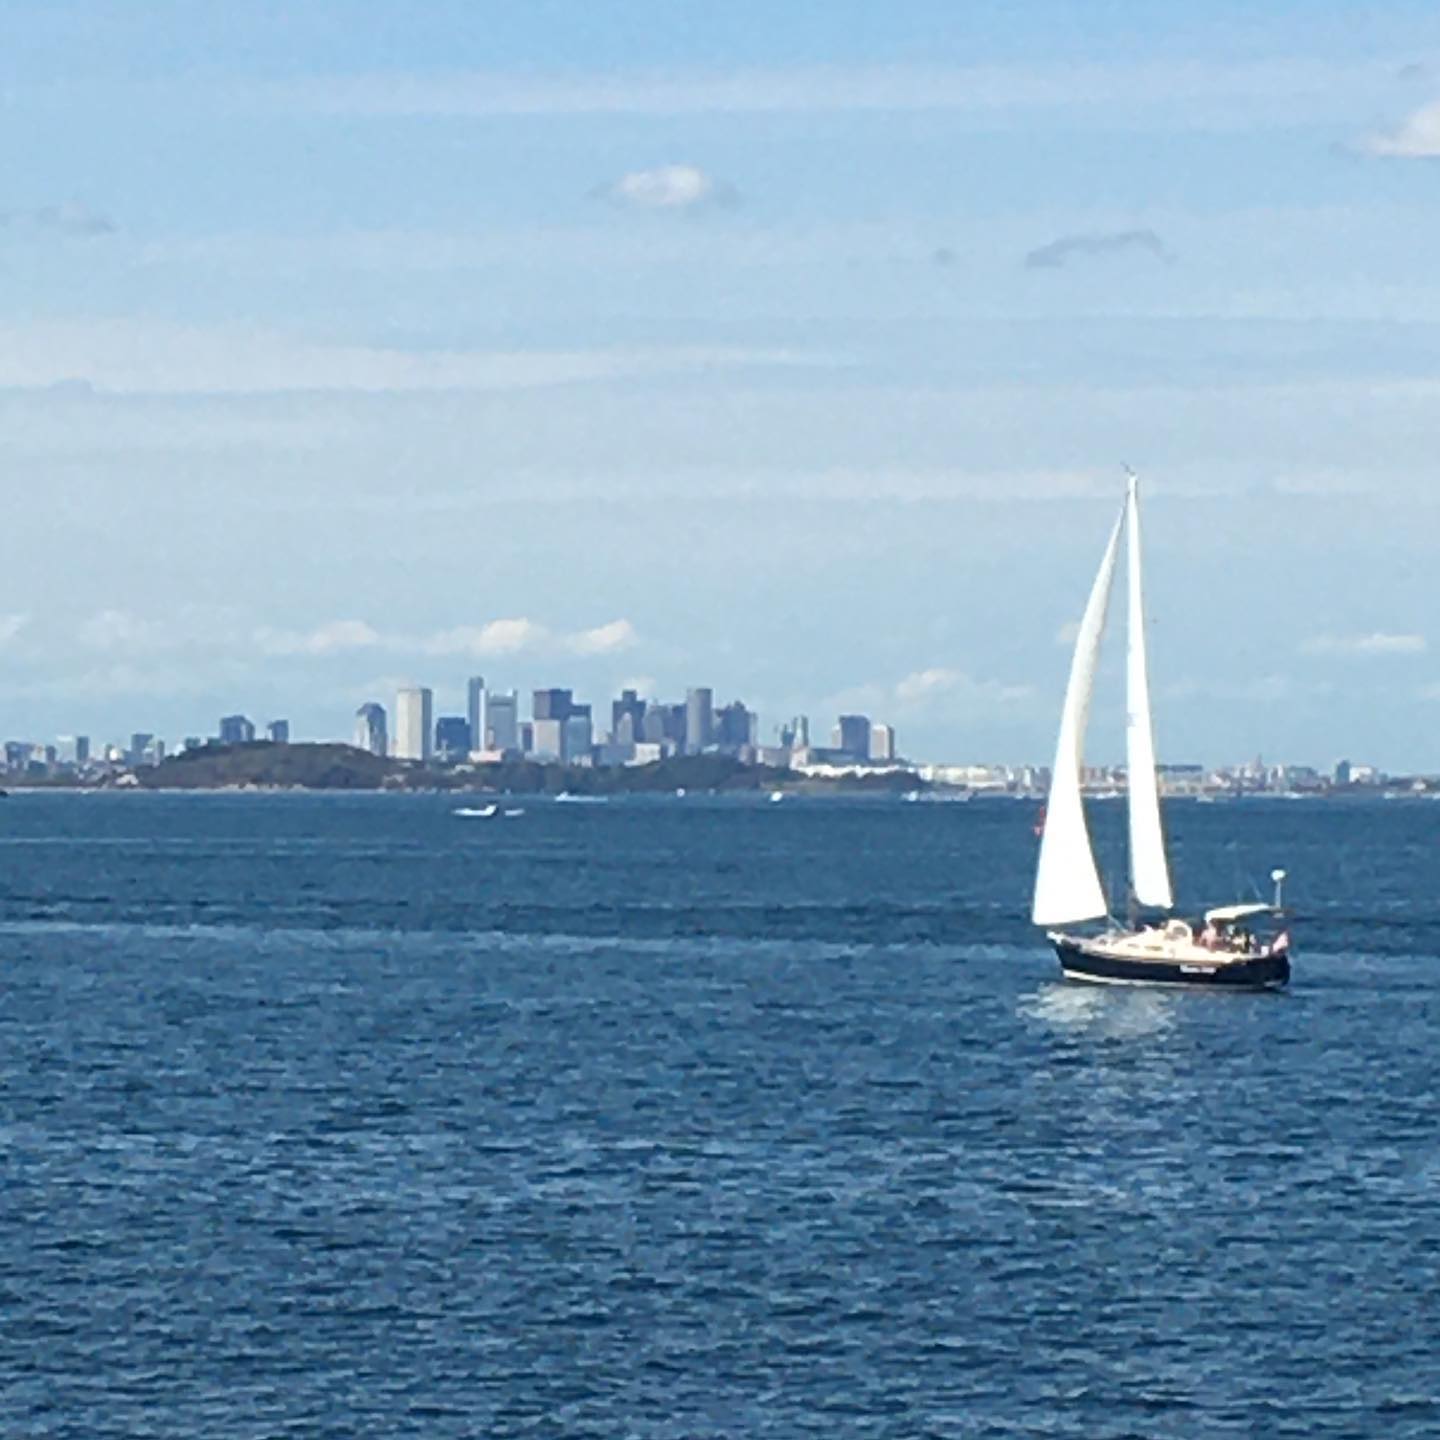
(1228, 914)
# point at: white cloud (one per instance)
(120, 630)
(11, 626)
(334, 638)
(935, 690)
(924, 683)
(1068, 633)
(1416, 138)
(498, 637)
(604, 639)
(1378, 642)
(668, 187)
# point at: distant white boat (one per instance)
(470, 812)
(513, 814)
(566, 798)
(776, 796)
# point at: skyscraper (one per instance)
(882, 742)
(279, 731)
(236, 730)
(551, 704)
(502, 722)
(413, 723)
(370, 730)
(475, 708)
(852, 735)
(452, 737)
(699, 719)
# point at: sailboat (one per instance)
(1229, 948)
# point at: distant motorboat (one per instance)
(483, 812)
(513, 814)
(776, 796)
(566, 798)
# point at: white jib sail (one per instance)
(1067, 881)
(1149, 873)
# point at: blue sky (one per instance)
(795, 349)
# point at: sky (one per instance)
(792, 349)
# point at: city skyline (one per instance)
(657, 340)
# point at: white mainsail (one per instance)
(1067, 881)
(1149, 872)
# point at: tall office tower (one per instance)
(279, 731)
(413, 723)
(732, 726)
(852, 735)
(882, 742)
(579, 736)
(627, 718)
(235, 730)
(502, 723)
(73, 750)
(452, 737)
(551, 704)
(699, 719)
(547, 740)
(475, 711)
(370, 729)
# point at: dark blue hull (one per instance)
(1080, 961)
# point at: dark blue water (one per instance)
(345, 1116)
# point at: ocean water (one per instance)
(671, 1118)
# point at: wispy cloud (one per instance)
(336, 637)
(1416, 138)
(608, 639)
(1107, 242)
(930, 692)
(1201, 93)
(11, 626)
(669, 187)
(71, 219)
(143, 357)
(494, 639)
(1378, 642)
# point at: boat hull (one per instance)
(1098, 965)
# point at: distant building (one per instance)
(235, 730)
(370, 729)
(279, 732)
(414, 707)
(664, 725)
(547, 741)
(502, 723)
(796, 734)
(882, 742)
(732, 728)
(699, 719)
(475, 708)
(452, 737)
(579, 736)
(1342, 772)
(73, 750)
(852, 736)
(627, 718)
(551, 704)
(140, 742)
